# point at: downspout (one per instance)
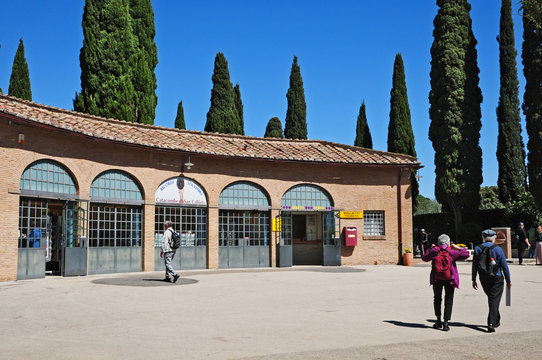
(400, 216)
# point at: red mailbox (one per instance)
(350, 236)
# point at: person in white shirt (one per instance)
(168, 253)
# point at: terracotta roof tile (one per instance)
(198, 142)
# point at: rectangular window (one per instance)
(373, 223)
(114, 225)
(250, 228)
(190, 223)
(32, 223)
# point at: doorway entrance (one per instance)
(309, 238)
(52, 238)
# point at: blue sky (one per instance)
(345, 50)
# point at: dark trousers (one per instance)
(448, 298)
(521, 250)
(493, 287)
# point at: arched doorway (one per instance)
(309, 228)
(52, 222)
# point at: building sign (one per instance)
(277, 224)
(314, 208)
(180, 190)
(351, 214)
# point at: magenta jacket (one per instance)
(454, 254)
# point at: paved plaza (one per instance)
(360, 312)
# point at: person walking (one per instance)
(168, 253)
(492, 278)
(533, 236)
(444, 275)
(523, 242)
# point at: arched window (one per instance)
(244, 194)
(306, 197)
(115, 185)
(47, 176)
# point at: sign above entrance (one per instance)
(180, 190)
(316, 208)
(351, 214)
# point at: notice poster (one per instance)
(180, 190)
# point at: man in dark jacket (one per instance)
(523, 241)
(492, 285)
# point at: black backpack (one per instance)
(485, 258)
(175, 242)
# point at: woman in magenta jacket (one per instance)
(456, 253)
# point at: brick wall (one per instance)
(353, 188)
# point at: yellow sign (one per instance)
(351, 214)
(277, 224)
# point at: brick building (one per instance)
(86, 195)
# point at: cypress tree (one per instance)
(295, 125)
(19, 83)
(455, 109)
(222, 116)
(400, 134)
(179, 120)
(510, 152)
(274, 128)
(363, 134)
(108, 59)
(532, 99)
(239, 107)
(144, 77)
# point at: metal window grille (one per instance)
(306, 195)
(190, 223)
(115, 225)
(373, 223)
(115, 184)
(243, 194)
(47, 176)
(249, 227)
(32, 223)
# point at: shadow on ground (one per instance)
(452, 325)
(142, 282)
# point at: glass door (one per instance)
(285, 242)
(74, 238)
(331, 238)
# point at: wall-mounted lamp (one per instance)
(187, 165)
(21, 138)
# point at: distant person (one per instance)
(424, 240)
(538, 252)
(168, 253)
(490, 263)
(417, 242)
(533, 235)
(444, 275)
(522, 242)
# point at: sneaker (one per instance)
(437, 325)
(445, 326)
(175, 278)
